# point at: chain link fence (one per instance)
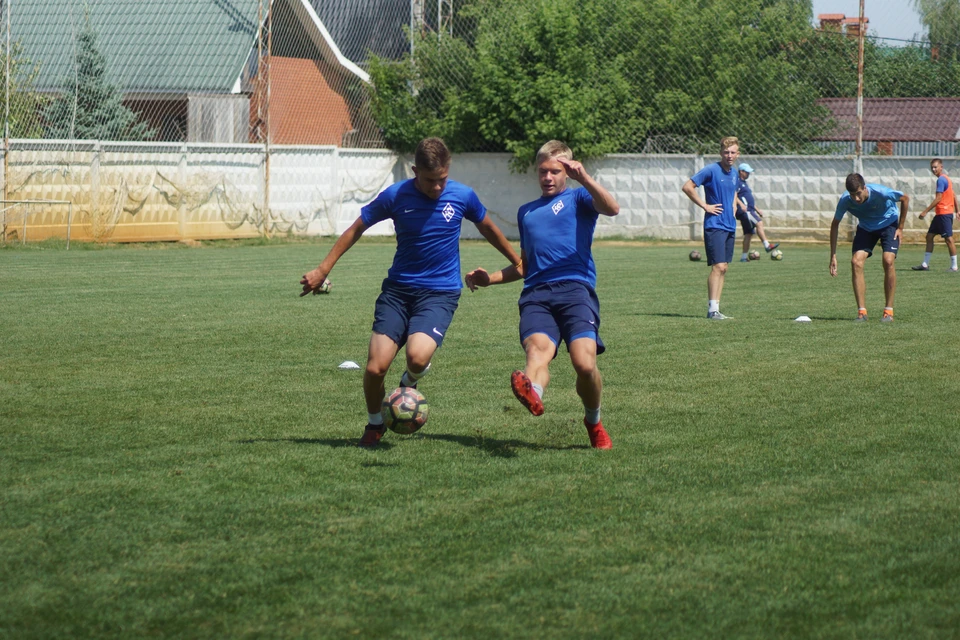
(655, 77)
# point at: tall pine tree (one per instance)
(90, 108)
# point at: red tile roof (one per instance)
(901, 119)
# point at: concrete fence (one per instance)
(160, 191)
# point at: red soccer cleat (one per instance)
(523, 389)
(371, 436)
(598, 436)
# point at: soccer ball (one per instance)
(776, 254)
(405, 410)
(695, 256)
(754, 255)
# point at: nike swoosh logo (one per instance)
(437, 332)
(407, 210)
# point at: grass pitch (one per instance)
(177, 459)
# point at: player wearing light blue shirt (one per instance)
(881, 213)
(422, 289)
(720, 182)
(558, 302)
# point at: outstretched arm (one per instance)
(489, 230)
(313, 280)
(480, 277)
(603, 200)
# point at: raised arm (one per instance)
(603, 200)
(311, 281)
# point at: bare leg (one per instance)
(761, 234)
(859, 286)
(930, 243)
(951, 246)
(420, 350)
(382, 352)
(715, 280)
(540, 351)
(746, 242)
(889, 276)
(583, 355)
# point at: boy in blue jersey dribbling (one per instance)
(422, 289)
(558, 301)
(720, 182)
(875, 207)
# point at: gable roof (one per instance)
(360, 27)
(896, 119)
(151, 46)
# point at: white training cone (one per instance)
(803, 319)
(348, 364)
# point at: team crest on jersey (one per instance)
(557, 206)
(448, 212)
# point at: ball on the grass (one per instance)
(754, 255)
(326, 286)
(776, 254)
(694, 256)
(405, 410)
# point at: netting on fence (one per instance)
(608, 76)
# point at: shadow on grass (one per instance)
(497, 448)
(671, 315)
(333, 443)
(490, 446)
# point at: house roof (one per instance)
(152, 46)
(896, 119)
(360, 27)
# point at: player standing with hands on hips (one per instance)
(422, 289)
(558, 301)
(945, 205)
(720, 182)
(875, 207)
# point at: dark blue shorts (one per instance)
(748, 222)
(941, 226)
(866, 240)
(564, 310)
(403, 310)
(719, 245)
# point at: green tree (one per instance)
(90, 108)
(942, 20)
(25, 102)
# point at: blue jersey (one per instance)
(879, 210)
(719, 187)
(428, 232)
(556, 234)
(746, 195)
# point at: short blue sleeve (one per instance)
(942, 184)
(474, 210)
(380, 209)
(842, 207)
(703, 176)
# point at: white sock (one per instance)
(926, 258)
(766, 245)
(376, 419)
(537, 389)
(409, 378)
(744, 256)
(713, 305)
(592, 416)
(953, 262)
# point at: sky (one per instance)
(888, 18)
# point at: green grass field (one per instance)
(177, 459)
